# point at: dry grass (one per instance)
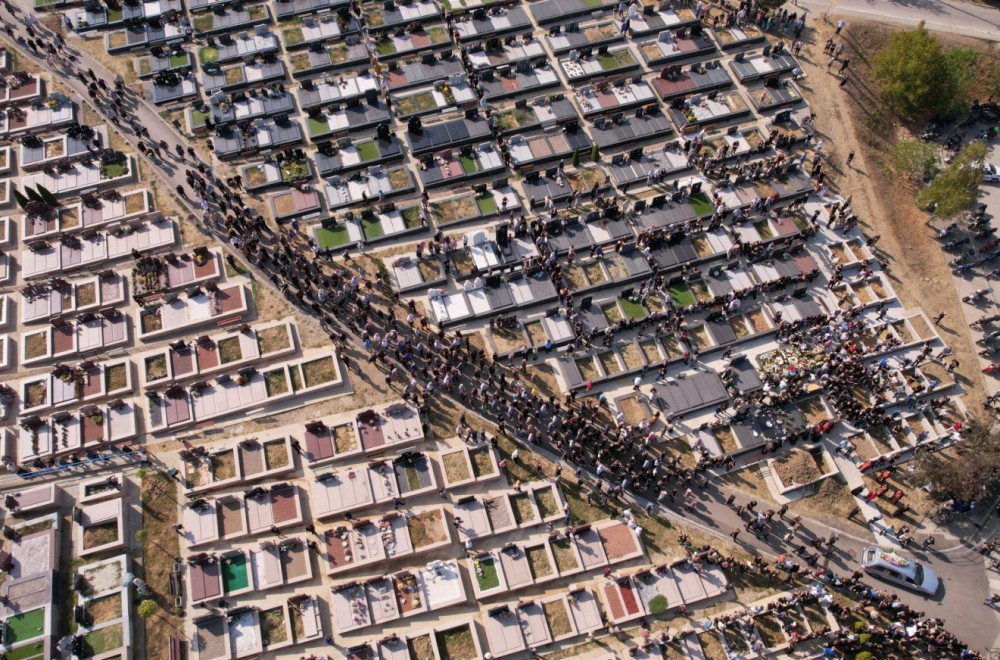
(427, 528)
(158, 494)
(456, 467)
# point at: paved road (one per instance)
(965, 18)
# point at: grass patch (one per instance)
(367, 151)
(318, 126)
(482, 464)
(272, 626)
(229, 350)
(557, 618)
(702, 204)
(681, 294)
(273, 339)
(275, 382)
(372, 227)
(632, 309)
(456, 644)
(538, 562)
(470, 165)
(24, 626)
(545, 499)
(523, 511)
(98, 535)
(565, 557)
(332, 237)
(427, 528)
(208, 54)
(487, 204)
(486, 574)
(456, 468)
(320, 371)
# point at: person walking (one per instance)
(840, 25)
(850, 157)
(937, 319)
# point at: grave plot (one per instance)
(248, 460)
(387, 15)
(518, 567)
(774, 94)
(221, 20)
(680, 45)
(558, 617)
(429, 71)
(335, 122)
(199, 307)
(208, 354)
(101, 528)
(279, 172)
(239, 76)
(31, 500)
(503, 631)
(534, 626)
(483, 25)
(396, 424)
(524, 80)
(650, 20)
(91, 427)
(401, 43)
(63, 339)
(154, 275)
(174, 61)
(737, 37)
(771, 63)
(321, 58)
(368, 184)
(345, 155)
(173, 87)
(43, 259)
(557, 11)
(286, 10)
(493, 53)
(35, 551)
(282, 564)
(95, 213)
(32, 119)
(618, 130)
(410, 274)
(584, 64)
(640, 162)
(143, 36)
(385, 599)
(468, 465)
(245, 46)
(261, 134)
(699, 110)
(440, 135)
(328, 443)
(225, 110)
(24, 89)
(621, 599)
(36, 153)
(101, 488)
(470, 163)
(343, 88)
(538, 185)
(602, 97)
(312, 30)
(573, 36)
(210, 640)
(66, 385)
(394, 536)
(338, 491)
(245, 631)
(522, 116)
(527, 152)
(210, 577)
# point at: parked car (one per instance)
(991, 173)
(893, 567)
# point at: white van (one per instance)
(892, 567)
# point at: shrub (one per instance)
(863, 638)
(147, 608)
(864, 655)
(657, 605)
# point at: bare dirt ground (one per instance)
(849, 119)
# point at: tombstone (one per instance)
(531, 177)
(618, 159)
(640, 206)
(676, 196)
(371, 97)
(501, 237)
(738, 58)
(499, 184)
(592, 216)
(695, 188)
(767, 50)
(695, 99)
(586, 302)
(733, 130)
(261, 30)
(782, 116)
(635, 154)
(428, 59)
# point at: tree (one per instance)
(47, 196)
(147, 608)
(915, 159)
(21, 200)
(575, 161)
(956, 188)
(915, 74)
(33, 195)
(969, 475)
(595, 154)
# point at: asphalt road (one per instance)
(964, 18)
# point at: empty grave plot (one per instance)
(813, 410)
(799, 467)
(229, 350)
(102, 640)
(536, 333)
(275, 382)
(156, 367)
(564, 555)
(295, 560)
(104, 609)
(815, 614)
(420, 648)
(618, 541)
(116, 377)
(557, 618)
(508, 340)
(482, 463)
(538, 561)
(272, 339)
(711, 645)
(223, 466)
(251, 458)
(631, 355)
(98, 535)
(427, 528)
(726, 439)
(769, 630)
(546, 502)
(457, 643)
(524, 513)
(634, 410)
(231, 514)
(344, 439)
(319, 372)
(298, 621)
(735, 639)
(272, 626)
(456, 467)
(275, 455)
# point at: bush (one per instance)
(863, 638)
(595, 154)
(864, 655)
(147, 608)
(141, 473)
(859, 626)
(657, 605)
(576, 157)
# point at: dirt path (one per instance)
(848, 120)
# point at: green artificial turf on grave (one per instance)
(24, 626)
(367, 151)
(332, 237)
(681, 294)
(234, 574)
(702, 205)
